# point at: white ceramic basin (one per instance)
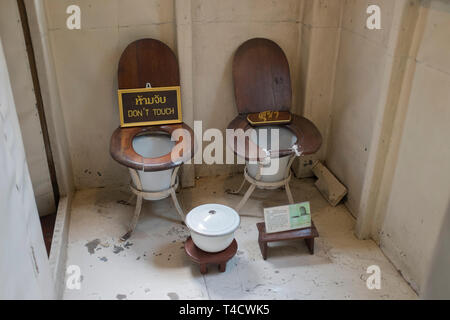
(286, 140)
(212, 226)
(154, 145)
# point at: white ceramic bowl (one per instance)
(286, 140)
(154, 145)
(212, 226)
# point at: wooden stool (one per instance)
(203, 258)
(308, 234)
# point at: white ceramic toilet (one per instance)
(148, 151)
(276, 169)
(153, 146)
(262, 89)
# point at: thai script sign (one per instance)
(149, 106)
(269, 117)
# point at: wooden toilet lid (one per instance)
(262, 82)
(261, 77)
(149, 61)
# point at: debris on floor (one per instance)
(153, 264)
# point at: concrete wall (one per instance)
(438, 281)
(360, 72)
(317, 57)
(24, 267)
(387, 140)
(54, 112)
(22, 85)
(415, 210)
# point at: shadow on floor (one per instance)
(48, 225)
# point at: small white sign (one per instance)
(284, 218)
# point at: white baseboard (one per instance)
(58, 251)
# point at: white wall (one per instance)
(317, 57)
(360, 71)
(390, 126)
(438, 282)
(22, 86)
(54, 113)
(24, 267)
(419, 195)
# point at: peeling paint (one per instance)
(128, 245)
(173, 296)
(117, 249)
(92, 245)
(125, 203)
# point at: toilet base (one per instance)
(153, 196)
(257, 183)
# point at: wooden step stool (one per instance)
(203, 258)
(308, 234)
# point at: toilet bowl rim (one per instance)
(241, 122)
(121, 148)
(281, 152)
(309, 139)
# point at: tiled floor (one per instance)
(153, 264)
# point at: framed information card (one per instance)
(284, 218)
(149, 106)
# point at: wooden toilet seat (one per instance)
(122, 148)
(149, 62)
(308, 137)
(262, 83)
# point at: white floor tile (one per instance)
(153, 264)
